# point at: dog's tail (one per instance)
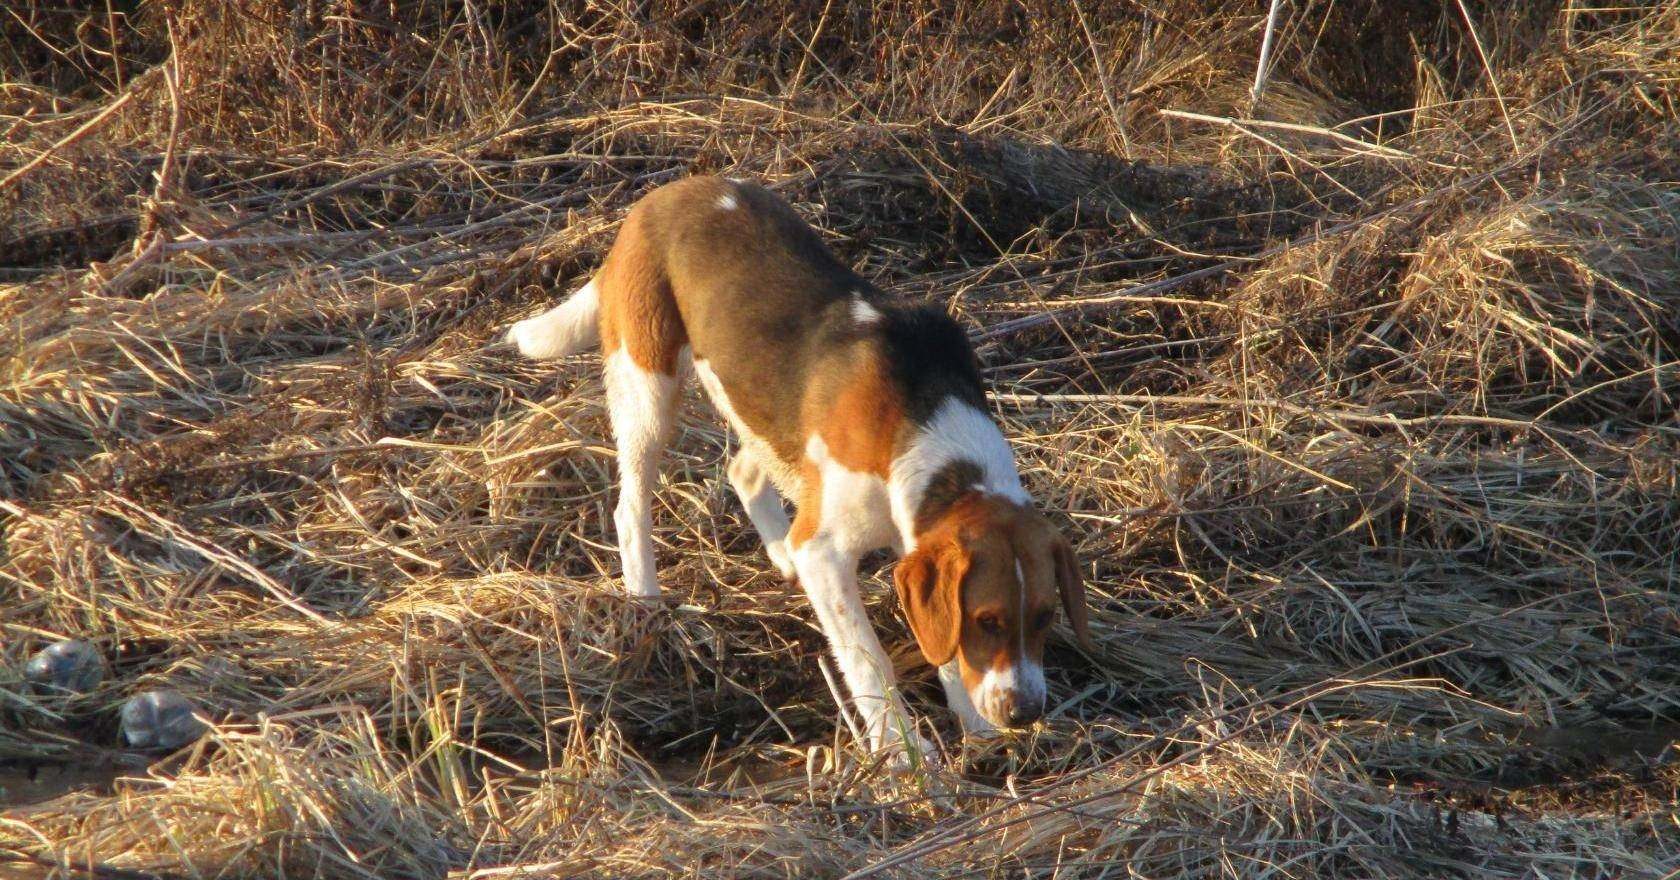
(568, 328)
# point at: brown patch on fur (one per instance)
(930, 580)
(808, 516)
(859, 417)
(969, 515)
(948, 485)
(638, 310)
(929, 590)
(1071, 585)
(862, 422)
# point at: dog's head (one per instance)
(982, 587)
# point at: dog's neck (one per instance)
(959, 450)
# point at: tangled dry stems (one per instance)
(1357, 402)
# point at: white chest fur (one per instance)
(956, 432)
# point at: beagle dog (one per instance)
(870, 415)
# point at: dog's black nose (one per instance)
(1021, 715)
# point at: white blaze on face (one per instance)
(1018, 684)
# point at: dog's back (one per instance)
(727, 270)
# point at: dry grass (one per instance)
(1359, 402)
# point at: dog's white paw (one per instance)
(779, 557)
(980, 730)
(511, 337)
(646, 592)
(915, 754)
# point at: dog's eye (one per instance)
(1044, 618)
(990, 623)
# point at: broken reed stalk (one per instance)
(1263, 65)
(81, 131)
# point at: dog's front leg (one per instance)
(828, 572)
(956, 696)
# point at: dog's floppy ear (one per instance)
(1072, 588)
(929, 585)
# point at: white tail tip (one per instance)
(566, 329)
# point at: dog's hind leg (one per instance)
(642, 405)
(645, 345)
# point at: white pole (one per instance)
(1262, 69)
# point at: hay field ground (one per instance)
(1358, 399)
